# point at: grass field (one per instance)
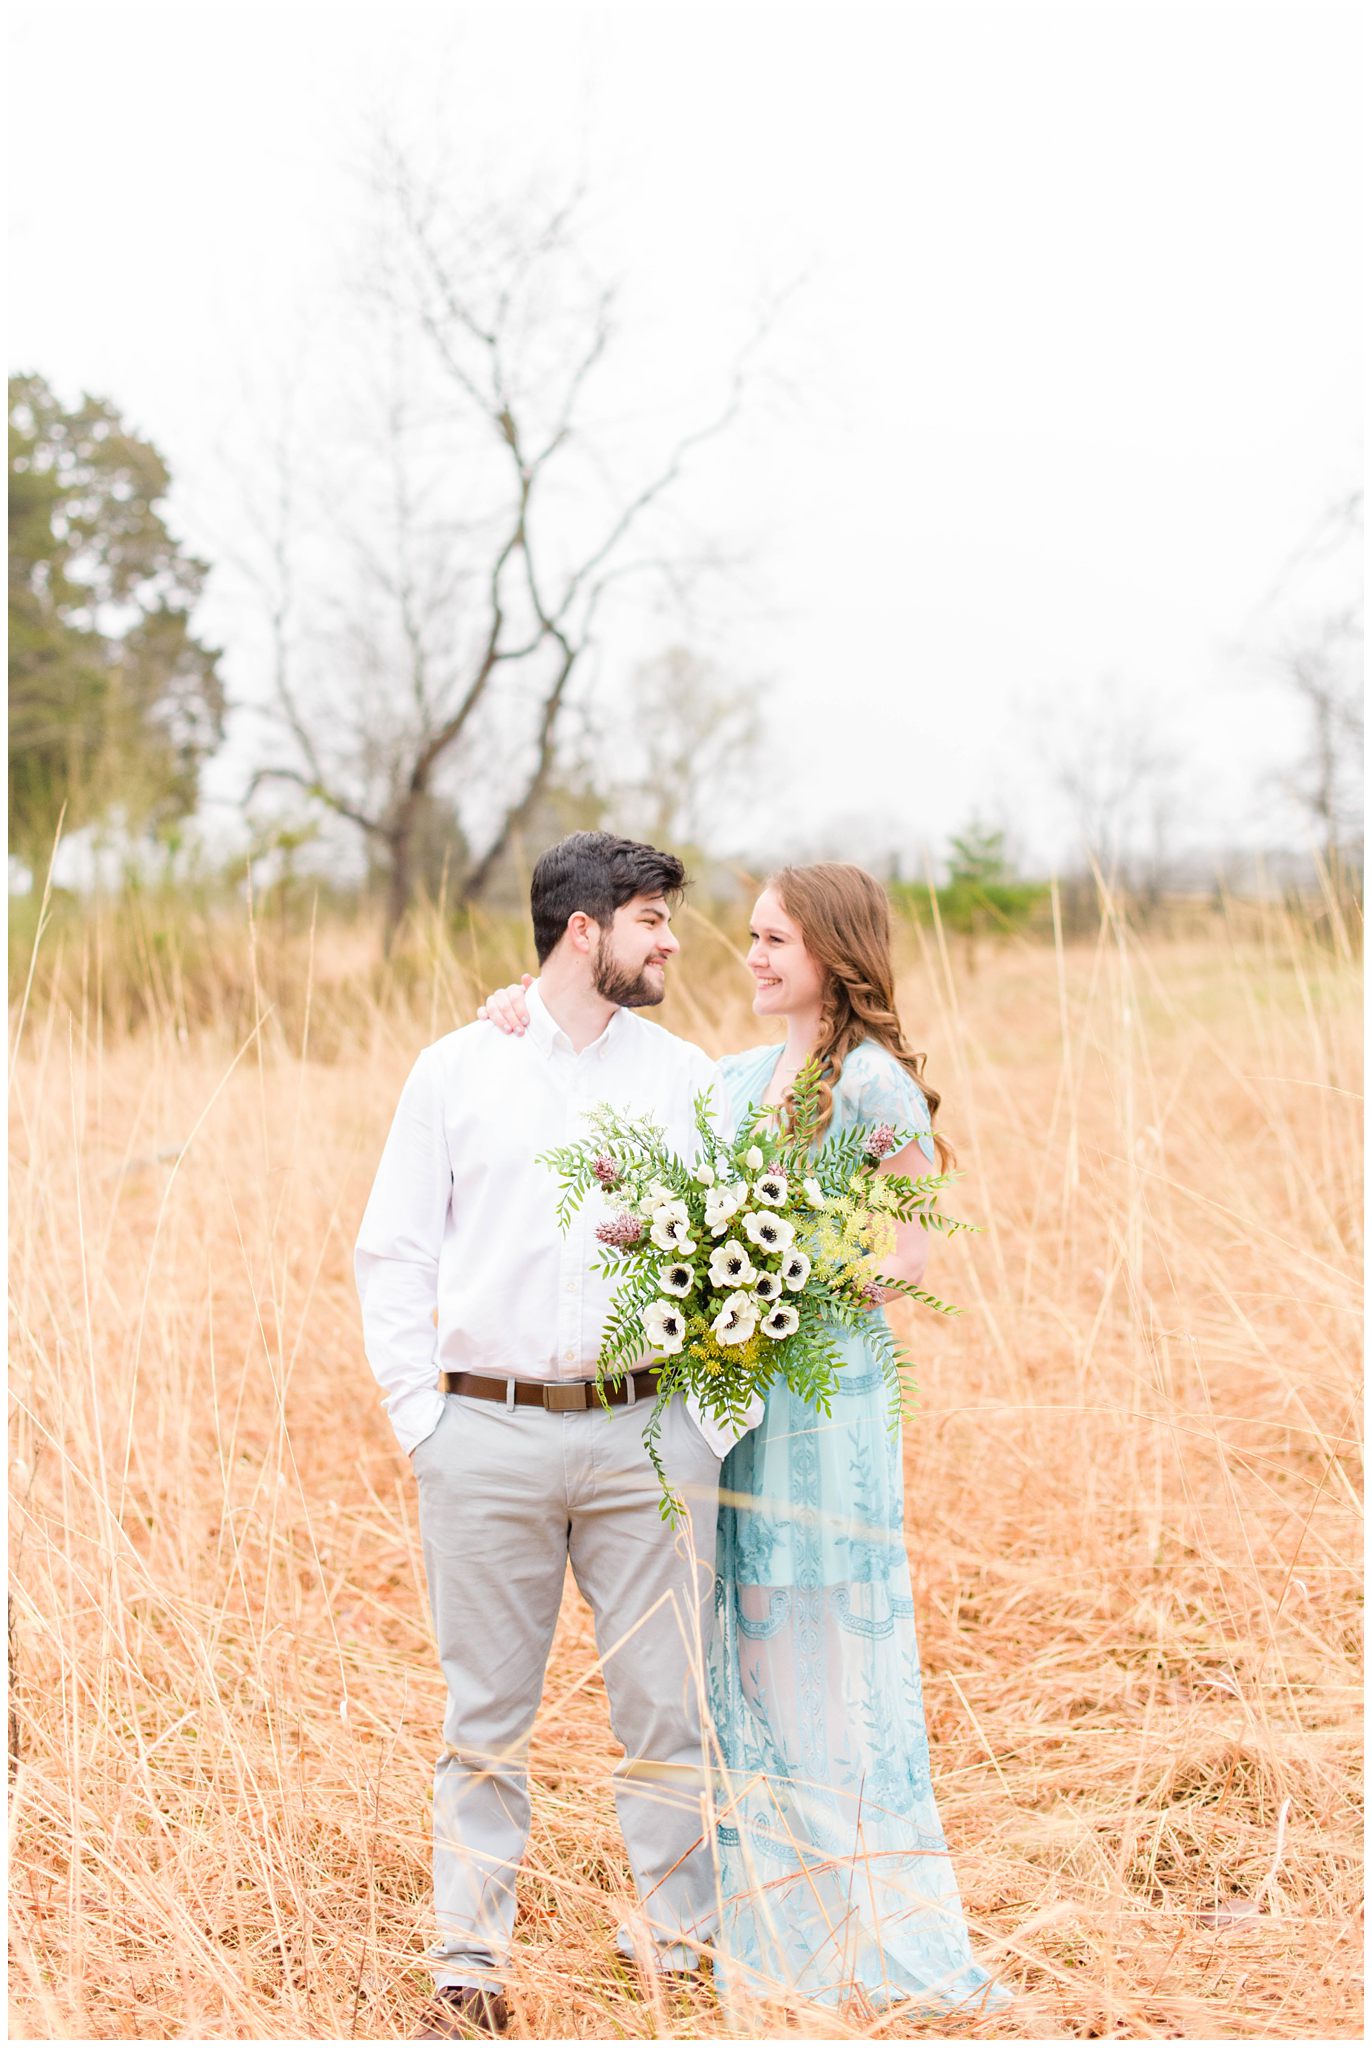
(1132, 1497)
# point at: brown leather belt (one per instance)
(563, 1397)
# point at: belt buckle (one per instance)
(565, 1399)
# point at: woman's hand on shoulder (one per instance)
(507, 1009)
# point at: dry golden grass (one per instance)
(1132, 1507)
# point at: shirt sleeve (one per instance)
(703, 1076)
(396, 1259)
(720, 1434)
(887, 1094)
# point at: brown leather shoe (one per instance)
(464, 2012)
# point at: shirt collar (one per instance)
(548, 1035)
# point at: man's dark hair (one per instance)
(596, 873)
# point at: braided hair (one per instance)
(845, 923)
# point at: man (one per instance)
(483, 1324)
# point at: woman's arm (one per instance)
(911, 1255)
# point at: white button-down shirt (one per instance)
(462, 1219)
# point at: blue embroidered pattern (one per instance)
(834, 1869)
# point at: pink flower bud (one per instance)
(621, 1231)
(881, 1141)
(605, 1170)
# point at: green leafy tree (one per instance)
(114, 702)
(982, 897)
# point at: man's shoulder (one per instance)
(469, 1042)
(658, 1043)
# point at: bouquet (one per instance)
(745, 1268)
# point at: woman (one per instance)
(834, 1873)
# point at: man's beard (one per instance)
(620, 985)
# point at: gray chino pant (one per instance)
(506, 1497)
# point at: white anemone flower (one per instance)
(795, 1269)
(772, 1190)
(767, 1287)
(813, 1192)
(676, 1279)
(672, 1228)
(780, 1321)
(722, 1204)
(730, 1265)
(664, 1325)
(753, 1159)
(705, 1174)
(769, 1233)
(736, 1320)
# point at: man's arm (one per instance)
(397, 1255)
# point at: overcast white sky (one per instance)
(1074, 373)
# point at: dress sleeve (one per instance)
(886, 1094)
(743, 1076)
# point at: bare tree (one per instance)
(679, 753)
(479, 573)
(1326, 780)
(1320, 663)
(1121, 780)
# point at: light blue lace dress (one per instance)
(834, 1871)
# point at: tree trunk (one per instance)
(400, 885)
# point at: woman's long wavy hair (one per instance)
(845, 922)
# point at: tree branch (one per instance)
(477, 878)
(325, 796)
(738, 385)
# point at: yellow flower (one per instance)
(882, 1237)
